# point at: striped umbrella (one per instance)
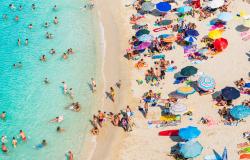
(190, 39)
(178, 109)
(206, 83)
(186, 90)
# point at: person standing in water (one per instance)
(55, 8)
(19, 42)
(93, 85)
(22, 135)
(4, 148)
(14, 142)
(46, 81)
(33, 6)
(3, 115)
(26, 41)
(56, 20)
(71, 93)
(70, 155)
(65, 87)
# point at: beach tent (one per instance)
(220, 44)
(142, 32)
(240, 112)
(186, 90)
(143, 46)
(188, 71)
(190, 39)
(148, 6)
(206, 83)
(189, 133)
(215, 4)
(192, 32)
(215, 34)
(178, 109)
(190, 149)
(225, 16)
(184, 9)
(163, 7)
(230, 93)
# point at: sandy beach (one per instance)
(143, 142)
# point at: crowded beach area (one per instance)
(173, 81)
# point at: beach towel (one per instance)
(247, 85)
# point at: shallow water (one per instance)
(30, 103)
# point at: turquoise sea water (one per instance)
(30, 103)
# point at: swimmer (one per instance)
(93, 85)
(5, 17)
(22, 135)
(65, 56)
(4, 139)
(30, 26)
(59, 129)
(33, 6)
(70, 51)
(57, 119)
(75, 107)
(46, 81)
(3, 115)
(43, 58)
(14, 142)
(52, 51)
(55, 8)
(56, 20)
(4, 148)
(20, 8)
(65, 87)
(17, 18)
(46, 24)
(18, 65)
(49, 35)
(26, 41)
(19, 42)
(71, 93)
(11, 6)
(70, 156)
(41, 145)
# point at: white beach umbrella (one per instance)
(215, 4)
(178, 109)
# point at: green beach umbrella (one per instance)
(142, 32)
(165, 22)
(189, 71)
(148, 6)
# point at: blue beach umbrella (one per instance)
(240, 112)
(184, 9)
(190, 149)
(192, 32)
(225, 16)
(163, 6)
(230, 93)
(146, 38)
(224, 155)
(190, 39)
(189, 133)
(206, 83)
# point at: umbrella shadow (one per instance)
(175, 139)
(241, 28)
(217, 155)
(174, 149)
(156, 13)
(177, 95)
(248, 55)
(108, 95)
(142, 111)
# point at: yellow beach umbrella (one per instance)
(243, 13)
(186, 90)
(246, 23)
(215, 34)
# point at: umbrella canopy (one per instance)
(148, 6)
(165, 35)
(189, 133)
(169, 39)
(192, 32)
(188, 71)
(184, 9)
(220, 44)
(215, 4)
(163, 7)
(240, 112)
(185, 90)
(225, 16)
(215, 34)
(246, 22)
(178, 109)
(165, 22)
(190, 149)
(206, 83)
(190, 39)
(146, 38)
(224, 155)
(230, 93)
(142, 32)
(143, 46)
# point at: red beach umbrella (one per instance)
(220, 44)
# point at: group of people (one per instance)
(14, 141)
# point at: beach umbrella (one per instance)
(190, 39)
(148, 6)
(143, 46)
(165, 22)
(240, 112)
(178, 109)
(215, 4)
(225, 16)
(189, 133)
(224, 155)
(184, 9)
(246, 22)
(206, 83)
(220, 44)
(192, 32)
(188, 71)
(215, 34)
(230, 93)
(163, 6)
(190, 149)
(170, 39)
(165, 35)
(146, 38)
(142, 32)
(186, 90)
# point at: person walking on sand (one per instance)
(93, 85)
(146, 109)
(112, 94)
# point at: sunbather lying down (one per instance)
(197, 56)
